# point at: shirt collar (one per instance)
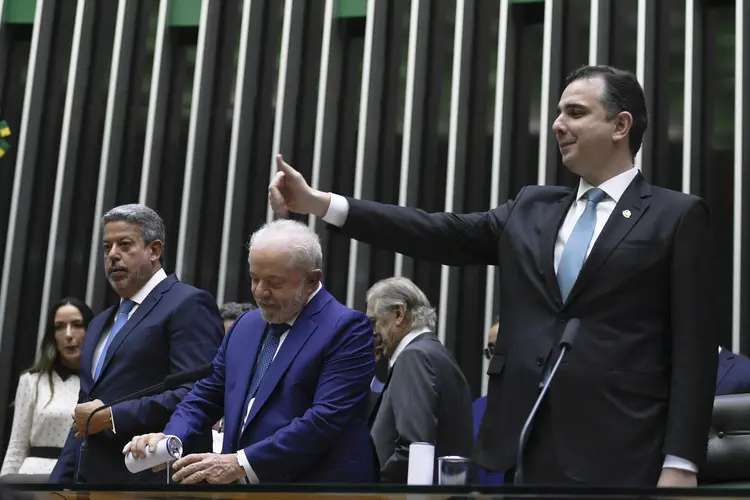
(141, 295)
(291, 321)
(405, 342)
(614, 187)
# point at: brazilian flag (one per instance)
(4, 132)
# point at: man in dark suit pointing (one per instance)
(631, 404)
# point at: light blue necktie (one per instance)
(122, 317)
(574, 253)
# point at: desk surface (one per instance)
(318, 492)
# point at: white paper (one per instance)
(159, 457)
(421, 464)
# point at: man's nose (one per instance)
(558, 127)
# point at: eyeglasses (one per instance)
(489, 350)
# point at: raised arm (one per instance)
(445, 238)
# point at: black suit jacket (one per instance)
(639, 382)
(426, 399)
(176, 328)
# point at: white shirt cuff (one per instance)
(249, 472)
(673, 462)
(338, 210)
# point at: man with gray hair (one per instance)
(291, 378)
(230, 311)
(426, 397)
(159, 327)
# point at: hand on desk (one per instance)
(677, 478)
(209, 467)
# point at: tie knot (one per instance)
(278, 329)
(126, 306)
(595, 195)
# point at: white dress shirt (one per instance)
(405, 342)
(138, 299)
(614, 188)
(252, 478)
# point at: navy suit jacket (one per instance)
(176, 328)
(483, 475)
(733, 376)
(308, 421)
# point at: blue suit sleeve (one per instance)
(64, 470)
(195, 334)
(204, 405)
(343, 384)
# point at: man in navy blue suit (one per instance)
(291, 379)
(159, 327)
(733, 376)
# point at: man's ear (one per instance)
(314, 276)
(400, 315)
(623, 123)
(157, 247)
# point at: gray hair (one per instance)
(233, 310)
(390, 293)
(148, 221)
(302, 242)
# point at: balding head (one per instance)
(285, 261)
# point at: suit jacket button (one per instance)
(539, 361)
(562, 319)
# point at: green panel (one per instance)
(184, 13)
(526, 1)
(350, 8)
(20, 11)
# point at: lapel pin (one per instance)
(626, 214)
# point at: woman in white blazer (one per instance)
(48, 393)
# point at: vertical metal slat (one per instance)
(66, 163)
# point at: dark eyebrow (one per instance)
(572, 107)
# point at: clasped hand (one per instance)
(196, 468)
(100, 422)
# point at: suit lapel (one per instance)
(93, 336)
(548, 239)
(144, 308)
(376, 406)
(635, 201)
(257, 330)
(303, 327)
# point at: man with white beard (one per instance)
(291, 379)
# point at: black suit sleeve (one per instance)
(414, 396)
(445, 238)
(694, 359)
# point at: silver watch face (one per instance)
(174, 447)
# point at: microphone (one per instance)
(170, 382)
(566, 344)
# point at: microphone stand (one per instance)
(85, 439)
(518, 476)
